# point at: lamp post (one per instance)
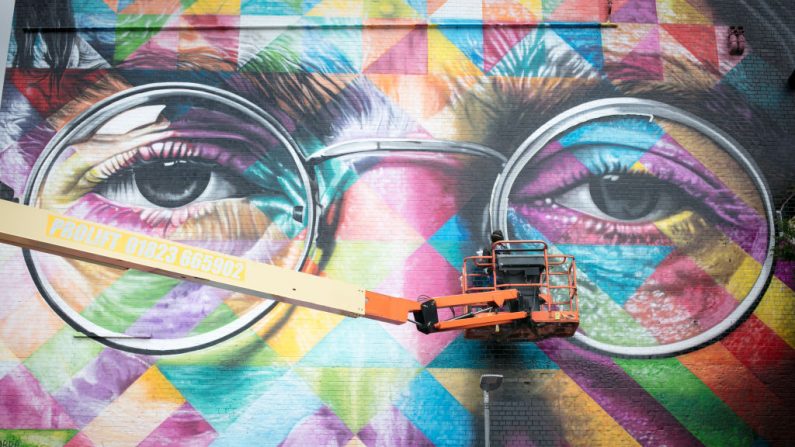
(488, 382)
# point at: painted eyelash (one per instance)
(164, 150)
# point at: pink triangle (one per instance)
(408, 56)
(25, 404)
(185, 424)
(681, 311)
(79, 440)
(428, 273)
(498, 41)
(643, 62)
(426, 194)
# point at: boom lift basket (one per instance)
(547, 286)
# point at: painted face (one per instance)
(283, 161)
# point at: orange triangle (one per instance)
(434, 5)
(699, 40)
(112, 4)
(507, 11)
(420, 96)
(160, 7)
(577, 11)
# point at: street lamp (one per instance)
(488, 382)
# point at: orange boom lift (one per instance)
(517, 292)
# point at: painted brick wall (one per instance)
(379, 142)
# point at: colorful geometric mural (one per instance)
(379, 142)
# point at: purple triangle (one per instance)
(322, 428)
(25, 404)
(185, 427)
(636, 11)
(643, 62)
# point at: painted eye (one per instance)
(173, 184)
(624, 198)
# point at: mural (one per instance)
(380, 142)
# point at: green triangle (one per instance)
(363, 262)
(280, 56)
(36, 438)
(549, 6)
(220, 316)
(246, 349)
(357, 394)
(132, 31)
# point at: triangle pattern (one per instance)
(425, 402)
(127, 42)
(458, 9)
(335, 50)
(698, 40)
(419, 96)
(148, 7)
(509, 11)
(460, 383)
(38, 438)
(428, 181)
(434, 5)
(586, 42)
(377, 42)
(409, 55)
(419, 6)
(619, 269)
(368, 390)
(389, 9)
(199, 33)
(635, 11)
(26, 404)
(322, 428)
(526, 58)
(230, 392)
(498, 41)
(249, 9)
(358, 344)
(277, 56)
(617, 46)
(257, 423)
(337, 8)
(468, 39)
(455, 240)
(391, 425)
(644, 59)
(478, 354)
(185, 424)
(574, 11)
(679, 11)
(444, 57)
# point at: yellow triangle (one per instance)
(534, 6)
(679, 11)
(446, 58)
(337, 8)
(389, 9)
(355, 442)
(462, 384)
(638, 167)
(217, 7)
(292, 331)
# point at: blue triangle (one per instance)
(747, 78)
(617, 269)
(454, 241)
(587, 42)
(528, 58)
(357, 344)
(520, 229)
(94, 7)
(478, 354)
(421, 6)
(270, 417)
(221, 394)
(614, 144)
(427, 404)
(336, 49)
(271, 8)
(467, 38)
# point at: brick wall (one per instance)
(379, 143)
